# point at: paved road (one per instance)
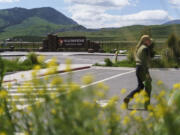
(76, 57)
(118, 78)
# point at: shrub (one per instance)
(131, 55)
(33, 57)
(108, 62)
(174, 45)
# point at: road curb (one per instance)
(45, 74)
(63, 71)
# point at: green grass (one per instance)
(13, 65)
(124, 63)
(28, 64)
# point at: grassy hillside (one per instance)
(130, 33)
(33, 26)
(32, 22)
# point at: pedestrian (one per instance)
(142, 57)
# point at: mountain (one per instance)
(34, 22)
(173, 22)
(16, 15)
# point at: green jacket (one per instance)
(143, 56)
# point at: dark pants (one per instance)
(144, 81)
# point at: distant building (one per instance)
(55, 43)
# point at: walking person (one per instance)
(142, 56)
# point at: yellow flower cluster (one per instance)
(3, 93)
(126, 120)
(159, 82)
(176, 86)
(87, 79)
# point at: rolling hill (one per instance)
(130, 33)
(33, 22)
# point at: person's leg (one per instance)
(148, 88)
(139, 87)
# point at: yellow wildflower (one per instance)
(123, 106)
(150, 114)
(109, 131)
(38, 104)
(134, 106)
(159, 83)
(1, 111)
(102, 86)
(126, 120)
(143, 93)
(68, 65)
(51, 70)
(133, 112)
(9, 85)
(162, 93)
(34, 73)
(138, 118)
(113, 101)
(53, 96)
(57, 101)
(87, 104)
(150, 108)
(41, 58)
(150, 125)
(52, 63)
(160, 111)
(56, 81)
(3, 94)
(3, 133)
(37, 67)
(87, 79)
(46, 78)
(53, 111)
(123, 91)
(100, 94)
(136, 95)
(29, 109)
(74, 87)
(115, 117)
(137, 99)
(176, 86)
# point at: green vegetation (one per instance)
(16, 65)
(33, 22)
(123, 63)
(169, 56)
(31, 27)
(2, 23)
(130, 33)
(56, 106)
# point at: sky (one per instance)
(107, 13)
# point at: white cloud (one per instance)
(4, 1)
(95, 14)
(175, 3)
(101, 3)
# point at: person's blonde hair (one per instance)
(141, 41)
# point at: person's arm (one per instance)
(145, 55)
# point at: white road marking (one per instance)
(107, 79)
